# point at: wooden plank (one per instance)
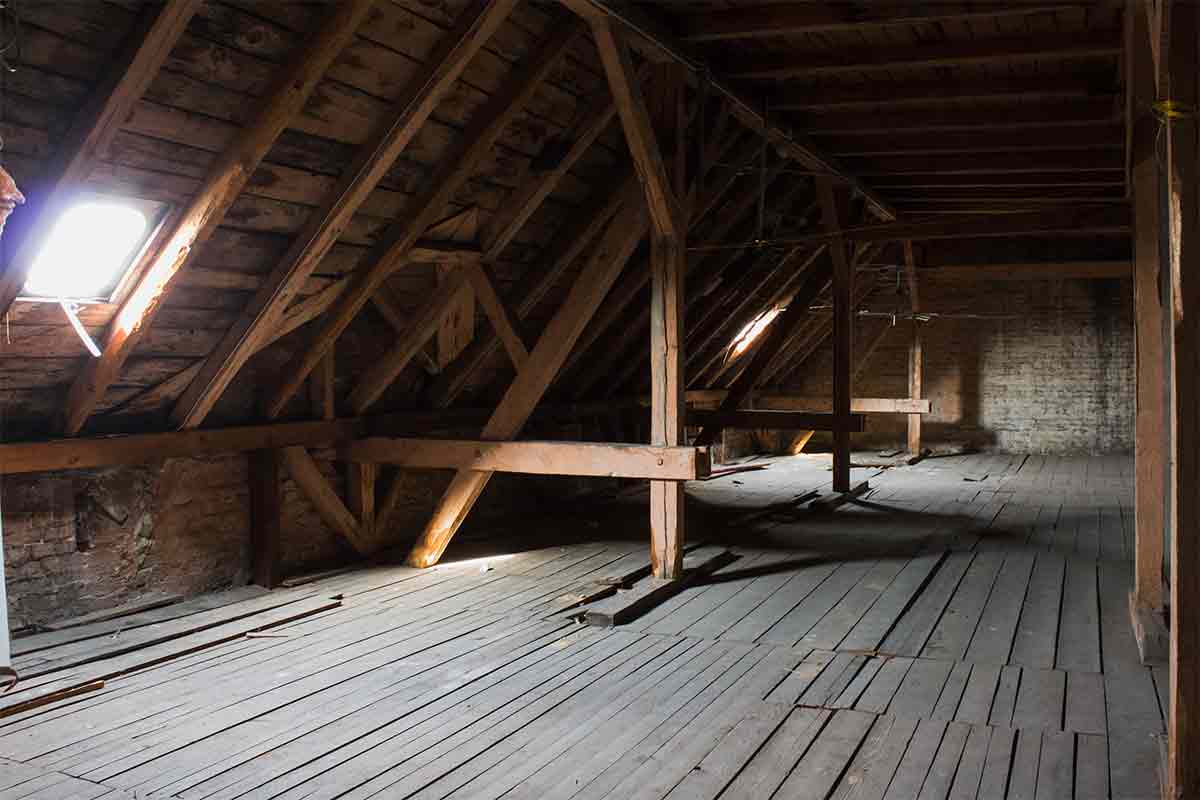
(294, 83)
(989, 51)
(1091, 767)
(1079, 628)
(84, 453)
(371, 163)
(819, 770)
(918, 693)
(535, 458)
(993, 638)
(771, 765)
(91, 133)
(970, 767)
(1041, 699)
(957, 626)
(994, 780)
(651, 591)
(918, 759)
(975, 706)
(457, 166)
(871, 771)
(265, 518)
(329, 506)
(1022, 780)
(1085, 703)
(1036, 638)
(532, 381)
(1049, 271)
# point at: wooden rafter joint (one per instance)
(588, 459)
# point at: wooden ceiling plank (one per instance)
(1047, 271)
(458, 165)
(949, 54)
(949, 92)
(371, 164)
(788, 19)
(532, 381)
(91, 132)
(295, 82)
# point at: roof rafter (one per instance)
(458, 165)
(371, 163)
(294, 83)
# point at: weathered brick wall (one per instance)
(1051, 370)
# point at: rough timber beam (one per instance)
(787, 19)
(1182, 31)
(457, 166)
(90, 134)
(588, 459)
(325, 500)
(657, 44)
(534, 378)
(833, 217)
(294, 83)
(371, 163)
(979, 51)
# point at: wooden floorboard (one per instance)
(961, 633)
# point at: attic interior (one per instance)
(596, 399)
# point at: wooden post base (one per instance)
(1150, 631)
(832, 501)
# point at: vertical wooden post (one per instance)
(360, 495)
(1152, 423)
(843, 331)
(1183, 770)
(915, 370)
(668, 254)
(265, 517)
(320, 388)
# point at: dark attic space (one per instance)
(582, 399)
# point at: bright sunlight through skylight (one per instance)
(751, 332)
(87, 251)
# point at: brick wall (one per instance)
(1049, 370)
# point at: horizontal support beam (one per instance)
(711, 398)
(776, 420)
(103, 451)
(1082, 270)
(535, 458)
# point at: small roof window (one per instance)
(748, 334)
(89, 249)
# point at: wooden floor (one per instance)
(961, 633)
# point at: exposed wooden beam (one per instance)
(1050, 271)
(653, 462)
(1028, 119)
(88, 139)
(498, 313)
(952, 54)
(894, 143)
(1152, 329)
(106, 451)
(1182, 87)
(321, 389)
(776, 401)
(946, 92)
(658, 43)
(535, 377)
(1110, 219)
(1086, 165)
(915, 374)
(457, 166)
(776, 420)
(294, 83)
(266, 522)
(787, 19)
(325, 500)
(360, 495)
(371, 163)
(833, 217)
(665, 211)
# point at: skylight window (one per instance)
(88, 250)
(750, 332)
